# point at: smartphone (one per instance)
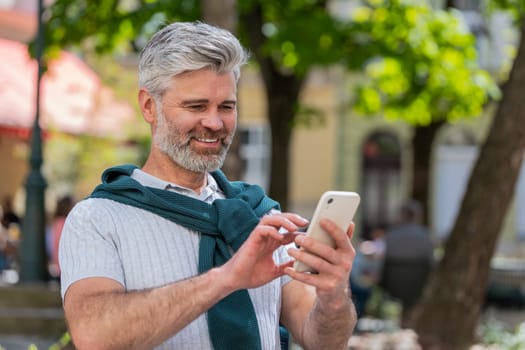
(338, 206)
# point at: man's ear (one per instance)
(147, 105)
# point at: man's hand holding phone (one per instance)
(339, 208)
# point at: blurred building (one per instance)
(74, 101)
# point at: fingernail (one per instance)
(301, 218)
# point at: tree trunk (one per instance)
(450, 4)
(422, 143)
(223, 13)
(282, 94)
(449, 311)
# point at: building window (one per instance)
(381, 159)
(254, 152)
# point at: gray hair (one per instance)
(188, 46)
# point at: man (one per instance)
(173, 255)
(409, 259)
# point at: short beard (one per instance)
(176, 145)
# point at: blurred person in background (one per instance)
(4, 241)
(9, 217)
(367, 269)
(409, 258)
(63, 207)
(10, 235)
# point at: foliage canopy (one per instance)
(419, 64)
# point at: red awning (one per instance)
(73, 98)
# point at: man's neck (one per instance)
(172, 172)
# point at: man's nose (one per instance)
(213, 120)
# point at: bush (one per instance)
(496, 334)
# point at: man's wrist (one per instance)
(218, 276)
(332, 305)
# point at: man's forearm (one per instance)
(142, 319)
(329, 328)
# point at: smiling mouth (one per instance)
(206, 140)
(208, 144)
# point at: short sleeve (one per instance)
(87, 247)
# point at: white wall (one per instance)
(453, 168)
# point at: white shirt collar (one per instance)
(211, 190)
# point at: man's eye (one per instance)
(227, 107)
(197, 107)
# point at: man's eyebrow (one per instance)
(192, 102)
(203, 100)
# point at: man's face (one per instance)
(196, 120)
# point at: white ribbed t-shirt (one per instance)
(141, 250)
